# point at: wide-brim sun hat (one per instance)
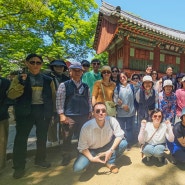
(183, 79)
(58, 63)
(147, 78)
(105, 68)
(167, 83)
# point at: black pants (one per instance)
(23, 128)
(73, 128)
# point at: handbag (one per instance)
(110, 105)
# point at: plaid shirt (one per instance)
(61, 96)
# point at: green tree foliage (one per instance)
(103, 57)
(52, 28)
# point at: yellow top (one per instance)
(108, 90)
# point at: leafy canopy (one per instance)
(52, 28)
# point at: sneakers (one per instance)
(42, 164)
(128, 147)
(50, 144)
(18, 173)
(56, 143)
(162, 160)
(146, 159)
(66, 158)
(113, 168)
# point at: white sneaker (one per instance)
(55, 143)
(61, 141)
(49, 144)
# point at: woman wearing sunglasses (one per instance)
(114, 74)
(103, 89)
(153, 136)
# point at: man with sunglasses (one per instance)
(73, 104)
(92, 76)
(34, 95)
(101, 141)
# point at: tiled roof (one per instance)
(109, 10)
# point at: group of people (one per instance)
(63, 107)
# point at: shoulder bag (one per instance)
(110, 105)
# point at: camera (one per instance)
(24, 70)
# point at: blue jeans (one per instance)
(82, 161)
(126, 124)
(154, 150)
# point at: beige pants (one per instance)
(4, 126)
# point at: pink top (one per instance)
(180, 94)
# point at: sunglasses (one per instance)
(106, 72)
(115, 71)
(100, 110)
(86, 65)
(157, 116)
(35, 62)
(95, 63)
(135, 78)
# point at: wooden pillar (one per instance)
(126, 51)
(156, 62)
(182, 63)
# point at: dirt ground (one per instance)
(131, 171)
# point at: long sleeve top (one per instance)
(168, 105)
(61, 96)
(126, 95)
(93, 137)
(164, 132)
(180, 94)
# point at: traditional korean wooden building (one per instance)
(132, 42)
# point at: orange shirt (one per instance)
(108, 90)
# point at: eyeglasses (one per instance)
(86, 65)
(135, 78)
(106, 72)
(157, 116)
(115, 71)
(100, 110)
(95, 63)
(38, 63)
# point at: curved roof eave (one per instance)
(110, 10)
